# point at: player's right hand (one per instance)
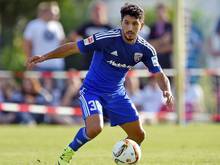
(32, 61)
(169, 98)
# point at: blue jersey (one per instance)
(112, 59)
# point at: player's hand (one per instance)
(32, 61)
(169, 98)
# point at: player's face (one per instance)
(131, 26)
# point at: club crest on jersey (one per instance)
(88, 40)
(137, 57)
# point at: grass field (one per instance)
(195, 144)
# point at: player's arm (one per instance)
(164, 85)
(151, 61)
(61, 52)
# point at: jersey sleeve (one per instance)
(97, 42)
(92, 44)
(150, 59)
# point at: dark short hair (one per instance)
(132, 10)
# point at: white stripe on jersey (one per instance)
(84, 106)
(87, 107)
(145, 43)
(115, 31)
(110, 36)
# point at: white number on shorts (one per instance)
(92, 105)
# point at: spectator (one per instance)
(5, 117)
(154, 103)
(194, 43)
(70, 94)
(51, 92)
(194, 98)
(70, 98)
(214, 48)
(214, 60)
(12, 94)
(161, 37)
(34, 93)
(97, 23)
(44, 34)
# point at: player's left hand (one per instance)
(169, 98)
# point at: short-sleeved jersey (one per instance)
(112, 59)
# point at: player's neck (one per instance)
(128, 41)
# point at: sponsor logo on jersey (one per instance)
(137, 57)
(114, 53)
(88, 40)
(119, 65)
(155, 61)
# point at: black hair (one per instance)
(132, 10)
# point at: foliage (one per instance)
(150, 15)
(12, 57)
(73, 13)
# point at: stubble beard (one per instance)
(129, 39)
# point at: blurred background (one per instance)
(48, 93)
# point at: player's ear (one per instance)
(142, 25)
(121, 20)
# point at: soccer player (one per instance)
(103, 93)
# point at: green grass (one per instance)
(195, 144)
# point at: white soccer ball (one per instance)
(126, 151)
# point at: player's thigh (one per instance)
(91, 110)
(90, 104)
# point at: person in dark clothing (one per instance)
(97, 23)
(161, 37)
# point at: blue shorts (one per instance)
(117, 107)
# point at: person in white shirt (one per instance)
(44, 34)
(152, 101)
